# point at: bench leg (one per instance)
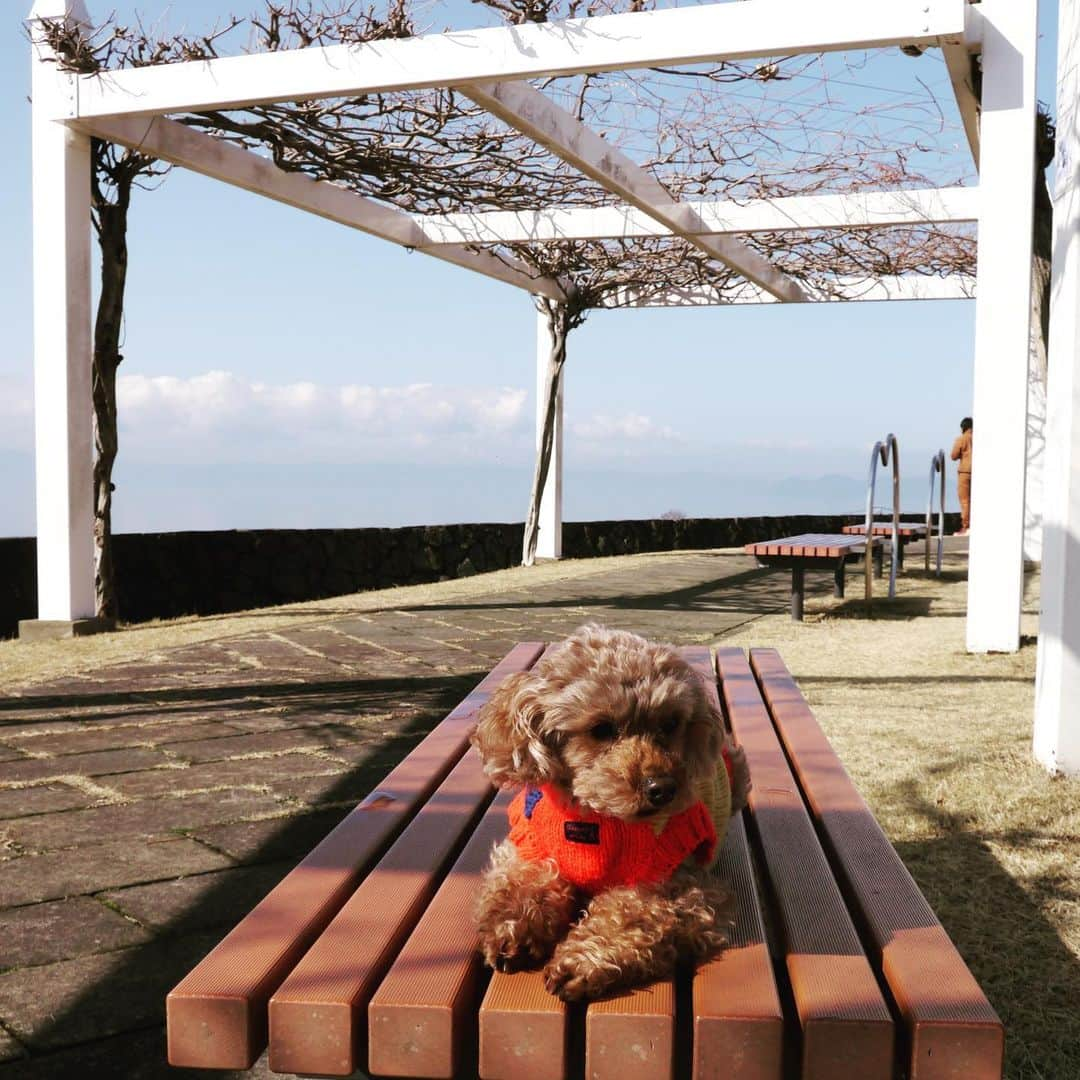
(797, 593)
(838, 580)
(900, 556)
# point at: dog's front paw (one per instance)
(572, 977)
(511, 946)
(522, 910)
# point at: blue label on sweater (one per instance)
(532, 797)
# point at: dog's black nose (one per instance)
(660, 790)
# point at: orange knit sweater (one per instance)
(596, 852)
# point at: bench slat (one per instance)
(811, 546)
(847, 1028)
(422, 1012)
(954, 1031)
(632, 1036)
(217, 1015)
(737, 1014)
(523, 1030)
(318, 1015)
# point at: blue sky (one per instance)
(283, 371)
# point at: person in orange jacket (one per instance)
(961, 454)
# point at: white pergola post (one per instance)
(549, 536)
(63, 405)
(1002, 320)
(1057, 682)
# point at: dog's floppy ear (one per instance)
(509, 734)
(704, 736)
(706, 740)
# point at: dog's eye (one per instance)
(604, 731)
(669, 726)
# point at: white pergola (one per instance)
(131, 107)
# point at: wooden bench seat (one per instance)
(364, 957)
(815, 551)
(908, 532)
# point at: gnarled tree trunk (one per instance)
(110, 221)
(1043, 239)
(1039, 340)
(562, 317)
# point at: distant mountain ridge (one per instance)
(167, 498)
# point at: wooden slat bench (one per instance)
(908, 533)
(814, 551)
(364, 957)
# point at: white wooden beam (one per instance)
(906, 287)
(1002, 326)
(1057, 680)
(203, 153)
(755, 28)
(846, 211)
(537, 116)
(549, 533)
(63, 406)
(960, 63)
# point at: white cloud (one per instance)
(222, 416)
(230, 417)
(631, 427)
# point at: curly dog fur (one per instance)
(603, 717)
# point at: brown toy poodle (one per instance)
(629, 780)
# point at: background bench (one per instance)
(907, 533)
(364, 956)
(815, 551)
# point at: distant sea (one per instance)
(171, 498)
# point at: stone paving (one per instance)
(146, 807)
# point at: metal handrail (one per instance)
(937, 467)
(884, 451)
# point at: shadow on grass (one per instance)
(950, 576)
(1028, 972)
(884, 609)
(114, 1027)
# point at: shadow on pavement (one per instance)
(114, 1028)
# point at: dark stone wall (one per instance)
(585, 539)
(18, 582)
(163, 575)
